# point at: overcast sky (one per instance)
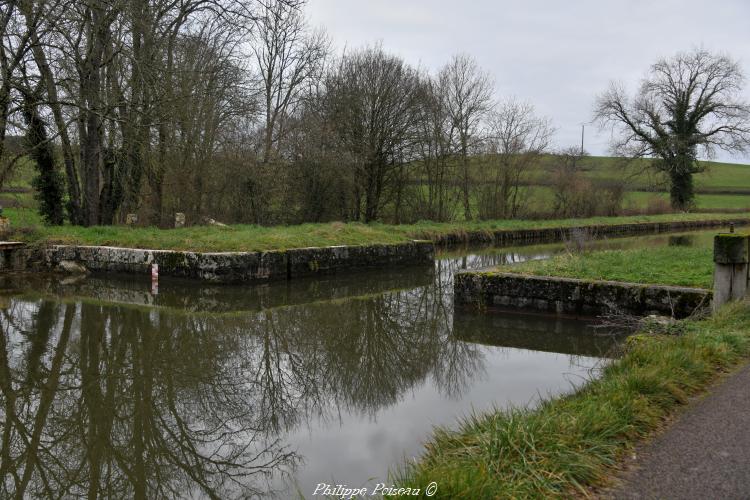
(556, 54)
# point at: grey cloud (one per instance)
(556, 54)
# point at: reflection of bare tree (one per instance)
(362, 354)
(460, 361)
(132, 402)
(131, 408)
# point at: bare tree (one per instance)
(14, 45)
(516, 140)
(687, 105)
(373, 103)
(289, 55)
(467, 91)
(435, 169)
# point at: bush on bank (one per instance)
(566, 445)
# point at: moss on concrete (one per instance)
(731, 248)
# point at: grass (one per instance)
(567, 445)
(204, 238)
(716, 177)
(670, 265)
(28, 227)
(641, 199)
(541, 200)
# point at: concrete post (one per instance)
(131, 219)
(731, 265)
(179, 220)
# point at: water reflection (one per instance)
(535, 332)
(117, 402)
(223, 392)
(682, 240)
(153, 403)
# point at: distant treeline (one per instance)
(240, 111)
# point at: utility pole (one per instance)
(583, 129)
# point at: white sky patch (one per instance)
(558, 55)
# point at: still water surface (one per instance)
(226, 391)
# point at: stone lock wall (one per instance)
(240, 267)
(575, 297)
(551, 235)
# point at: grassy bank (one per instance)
(670, 265)
(566, 445)
(28, 227)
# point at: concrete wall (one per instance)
(15, 257)
(240, 267)
(551, 235)
(574, 296)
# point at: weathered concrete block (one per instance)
(179, 220)
(731, 271)
(70, 267)
(13, 256)
(131, 219)
(731, 248)
(730, 283)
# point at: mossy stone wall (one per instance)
(574, 296)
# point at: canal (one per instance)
(188, 390)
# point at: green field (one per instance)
(722, 186)
(17, 191)
(717, 177)
(541, 200)
(702, 201)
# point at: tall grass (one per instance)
(567, 445)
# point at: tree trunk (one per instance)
(48, 183)
(40, 58)
(465, 184)
(681, 191)
(91, 142)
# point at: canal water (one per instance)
(112, 386)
